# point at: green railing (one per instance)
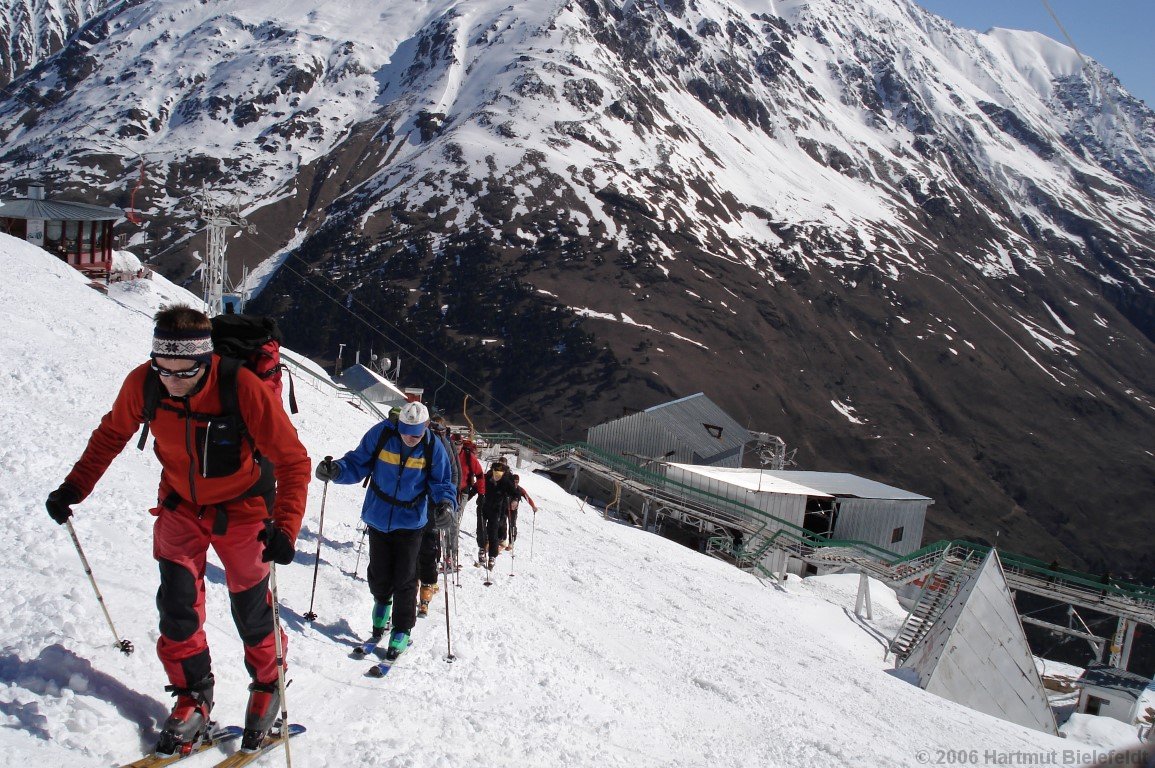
(776, 532)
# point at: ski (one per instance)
(366, 647)
(381, 668)
(215, 737)
(238, 759)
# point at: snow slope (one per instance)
(608, 647)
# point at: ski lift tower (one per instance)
(771, 450)
(218, 219)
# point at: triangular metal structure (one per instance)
(977, 654)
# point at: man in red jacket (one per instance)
(469, 484)
(211, 490)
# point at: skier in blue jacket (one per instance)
(407, 470)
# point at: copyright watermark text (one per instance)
(1062, 757)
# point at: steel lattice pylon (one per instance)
(214, 275)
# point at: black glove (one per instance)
(471, 492)
(60, 503)
(443, 516)
(278, 546)
(328, 470)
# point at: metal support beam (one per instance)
(1121, 644)
(863, 600)
(1097, 643)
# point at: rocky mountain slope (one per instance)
(915, 252)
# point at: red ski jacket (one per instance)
(181, 444)
(471, 472)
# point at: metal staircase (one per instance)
(954, 567)
(764, 534)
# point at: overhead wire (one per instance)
(423, 359)
(14, 89)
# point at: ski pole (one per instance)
(449, 657)
(360, 546)
(310, 616)
(280, 654)
(124, 646)
(532, 532)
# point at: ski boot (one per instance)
(397, 645)
(260, 714)
(189, 720)
(427, 593)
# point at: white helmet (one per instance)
(413, 418)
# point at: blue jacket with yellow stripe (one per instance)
(401, 499)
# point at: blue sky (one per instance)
(1120, 34)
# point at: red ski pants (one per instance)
(180, 545)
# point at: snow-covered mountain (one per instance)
(916, 252)
(608, 646)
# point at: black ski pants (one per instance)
(491, 528)
(392, 573)
(429, 554)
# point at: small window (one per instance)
(896, 534)
(714, 430)
(1095, 704)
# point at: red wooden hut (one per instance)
(78, 233)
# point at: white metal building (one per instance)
(1112, 692)
(692, 429)
(372, 386)
(832, 504)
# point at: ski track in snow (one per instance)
(609, 647)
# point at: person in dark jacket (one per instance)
(514, 503)
(211, 493)
(493, 511)
(408, 468)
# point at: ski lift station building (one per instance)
(372, 386)
(833, 505)
(691, 429)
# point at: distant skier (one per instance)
(513, 505)
(429, 554)
(407, 467)
(493, 512)
(470, 483)
(211, 490)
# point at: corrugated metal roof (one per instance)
(56, 210)
(698, 423)
(1114, 678)
(751, 480)
(842, 484)
(361, 379)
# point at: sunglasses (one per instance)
(166, 372)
